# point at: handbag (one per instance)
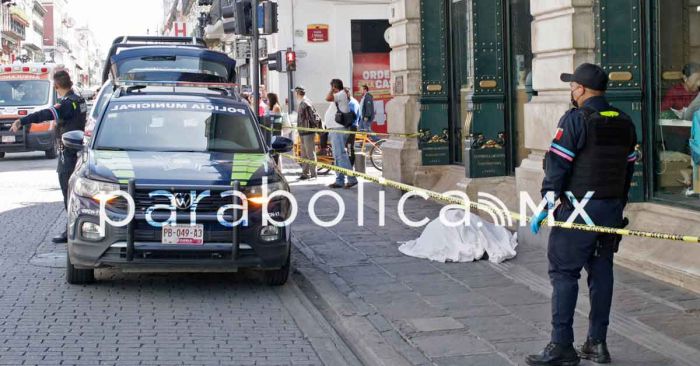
(344, 119)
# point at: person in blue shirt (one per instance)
(592, 159)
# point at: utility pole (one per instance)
(255, 58)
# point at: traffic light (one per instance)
(291, 60)
(269, 24)
(238, 18)
(275, 62)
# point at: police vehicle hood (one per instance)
(181, 168)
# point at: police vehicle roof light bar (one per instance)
(128, 86)
(159, 40)
(191, 84)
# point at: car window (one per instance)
(176, 126)
(101, 100)
(24, 92)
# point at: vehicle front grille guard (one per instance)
(235, 235)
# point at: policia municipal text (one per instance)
(592, 151)
(70, 114)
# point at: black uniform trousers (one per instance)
(66, 164)
(568, 252)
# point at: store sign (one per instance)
(372, 69)
(317, 33)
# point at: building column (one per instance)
(563, 36)
(401, 155)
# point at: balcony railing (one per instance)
(13, 28)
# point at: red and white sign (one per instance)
(179, 29)
(317, 33)
(372, 69)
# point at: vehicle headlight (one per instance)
(92, 188)
(255, 193)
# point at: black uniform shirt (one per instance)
(68, 114)
(569, 139)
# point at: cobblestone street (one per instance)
(124, 319)
(387, 308)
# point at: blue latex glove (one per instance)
(537, 220)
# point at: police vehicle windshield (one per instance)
(24, 92)
(177, 127)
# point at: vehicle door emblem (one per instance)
(183, 201)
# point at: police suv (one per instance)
(176, 178)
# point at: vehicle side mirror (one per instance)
(73, 140)
(282, 144)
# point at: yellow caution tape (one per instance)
(348, 132)
(478, 206)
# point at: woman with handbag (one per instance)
(344, 119)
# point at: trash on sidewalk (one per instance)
(463, 243)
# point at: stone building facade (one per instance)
(481, 79)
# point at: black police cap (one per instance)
(589, 75)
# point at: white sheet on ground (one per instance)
(442, 243)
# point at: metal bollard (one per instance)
(360, 162)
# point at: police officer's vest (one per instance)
(601, 166)
(77, 122)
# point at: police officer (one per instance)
(593, 151)
(70, 115)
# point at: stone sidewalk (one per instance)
(469, 313)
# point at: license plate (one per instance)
(183, 234)
(8, 139)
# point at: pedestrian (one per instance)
(338, 135)
(350, 144)
(367, 112)
(307, 118)
(263, 107)
(247, 99)
(592, 156)
(70, 114)
(274, 104)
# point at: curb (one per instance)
(329, 346)
(356, 330)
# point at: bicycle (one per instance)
(366, 145)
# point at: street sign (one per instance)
(262, 48)
(317, 33)
(242, 49)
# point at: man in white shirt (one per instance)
(341, 99)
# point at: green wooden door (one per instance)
(487, 151)
(434, 123)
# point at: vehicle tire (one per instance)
(375, 155)
(78, 276)
(278, 277)
(2, 154)
(52, 153)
